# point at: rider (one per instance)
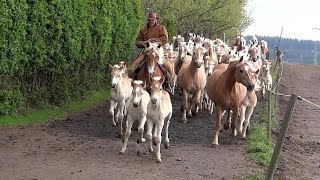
(152, 32)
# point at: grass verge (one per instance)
(50, 113)
(258, 147)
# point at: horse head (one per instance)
(197, 56)
(156, 88)
(137, 92)
(116, 74)
(254, 52)
(246, 74)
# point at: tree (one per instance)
(206, 17)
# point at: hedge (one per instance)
(56, 51)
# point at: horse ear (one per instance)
(159, 45)
(257, 71)
(109, 68)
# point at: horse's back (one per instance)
(188, 79)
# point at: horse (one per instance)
(151, 65)
(240, 43)
(137, 106)
(192, 80)
(248, 104)
(227, 87)
(264, 50)
(159, 115)
(120, 92)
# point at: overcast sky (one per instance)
(299, 18)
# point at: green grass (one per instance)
(258, 147)
(50, 113)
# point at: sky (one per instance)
(300, 19)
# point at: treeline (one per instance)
(295, 50)
(53, 51)
(210, 18)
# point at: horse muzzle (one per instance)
(250, 87)
(135, 104)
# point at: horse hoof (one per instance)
(159, 161)
(121, 153)
(214, 145)
(141, 140)
(189, 115)
(166, 145)
(194, 113)
(183, 120)
(226, 126)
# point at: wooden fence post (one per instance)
(283, 132)
(269, 115)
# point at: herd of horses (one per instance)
(208, 74)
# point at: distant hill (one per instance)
(296, 51)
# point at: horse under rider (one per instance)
(152, 32)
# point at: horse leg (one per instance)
(234, 121)
(127, 134)
(197, 101)
(227, 124)
(215, 141)
(121, 115)
(149, 134)
(113, 105)
(141, 129)
(247, 121)
(159, 126)
(166, 124)
(242, 118)
(184, 106)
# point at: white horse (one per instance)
(137, 106)
(120, 92)
(159, 114)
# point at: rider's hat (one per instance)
(152, 15)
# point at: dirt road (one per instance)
(85, 146)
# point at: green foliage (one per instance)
(259, 147)
(207, 17)
(49, 112)
(53, 52)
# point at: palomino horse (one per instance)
(246, 109)
(227, 87)
(159, 115)
(120, 92)
(192, 80)
(137, 106)
(264, 50)
(153, 59)
(240, 43)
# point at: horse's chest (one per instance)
(117, 95)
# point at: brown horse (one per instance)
(192, 80)
(227, 87)
(153, 59)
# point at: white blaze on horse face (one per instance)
(151, 68)
(136, 95)
(116, 76)
(155, 94)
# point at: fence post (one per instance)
(269, 115)
(283, 132)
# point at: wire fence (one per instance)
(284, 128)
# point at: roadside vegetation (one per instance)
(50, 113)
(258, 147)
